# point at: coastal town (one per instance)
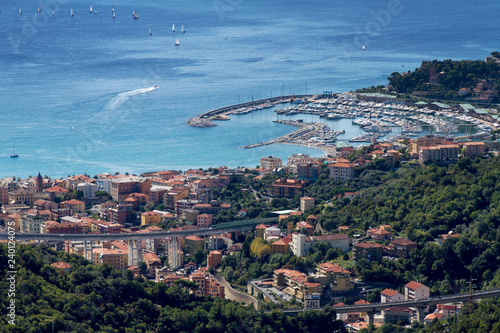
(396, 234)
(190, 201)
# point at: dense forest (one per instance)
(101, 299)
(421, 203)
(456, 75)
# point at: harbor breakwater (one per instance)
(205, 119)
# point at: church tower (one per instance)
(39, 182)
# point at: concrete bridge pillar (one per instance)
(370, 317)
(174, 252)
(133, 253)
(420, 314)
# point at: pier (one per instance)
(316, 134)
(205, 119)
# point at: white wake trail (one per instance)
(123, 97)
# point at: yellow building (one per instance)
(338, 278)
(16, 218)
(116, 258)
(295, 283)
(149, 218)
(76, 206)
(21, 197)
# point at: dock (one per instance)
(303, 135)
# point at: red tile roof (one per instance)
(61, 265)
(333, 268)
(57, 189)
(388, 292)
(362, 302)
(73, 202)
(413, 285)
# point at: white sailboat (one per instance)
(91, 11)
(134, 14)
(182, 29)
(72, 14)
(13, 155)
(53, 11)
(39, 10)
(20, 11)
(150, 32)
(113, 9)
(113, 15)
(95, 11)
(177, 42)
(173, 27)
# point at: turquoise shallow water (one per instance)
(74, 91)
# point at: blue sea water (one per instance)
(76, 97)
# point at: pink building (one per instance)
(204, 220)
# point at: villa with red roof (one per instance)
(416, 290)
(389, 295)
(61, 265)
(76, 206)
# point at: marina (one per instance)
(387, 121)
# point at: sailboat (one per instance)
(177, 42)
(53, 11)
(14, 155)
(39, 10)
(150, 32)
(20, 11)
(91, 11)
(173, 27)
(113, 9)
(95, 11)
(71, 13)
(134, 14)
(182, 29)
(113, 14)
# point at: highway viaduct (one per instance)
(418, 304)
(172, 237)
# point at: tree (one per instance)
(102, 194)
(143, 268)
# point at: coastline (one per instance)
(328, 151)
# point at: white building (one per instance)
(389, 295)
(416, 290)
(270, 163)
(272, 233)
(312, 301)
(296, 159)
(88, 189)
(31, 224)
(302, 244)
(104, 184)
(70, 219)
